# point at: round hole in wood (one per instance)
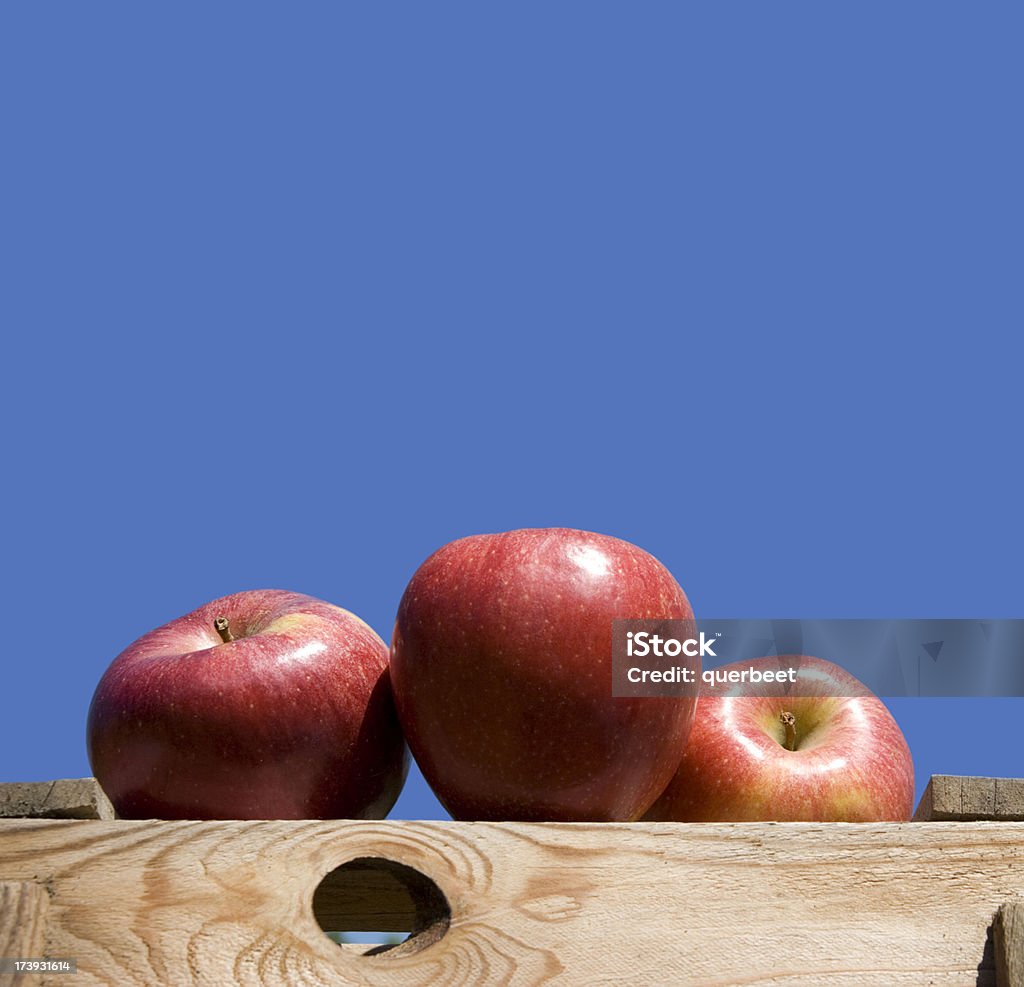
(375, 907)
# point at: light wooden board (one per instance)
(23, 909)
(805, 904)
(952, 797)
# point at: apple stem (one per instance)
(789, 722)
(221, 625)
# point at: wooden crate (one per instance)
(221, 903)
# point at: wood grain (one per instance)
(23, 908)
(952, 797)
(817, 905)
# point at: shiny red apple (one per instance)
(822, 749)
(261, 705)
(501, 668)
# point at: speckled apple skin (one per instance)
(501, 667)
(853, 766)
(292, 720)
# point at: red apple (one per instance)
(501, 667)
(260, 705)
(844, 759)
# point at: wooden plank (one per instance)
(374, 895)
(364, 899)
(967, 799)
(23, 906)
(1008, 935)
(797, 904)
(68, 798)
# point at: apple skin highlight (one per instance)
(293, 718)
(501, 668)
(851, 762)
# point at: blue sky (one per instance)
(293, 297)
